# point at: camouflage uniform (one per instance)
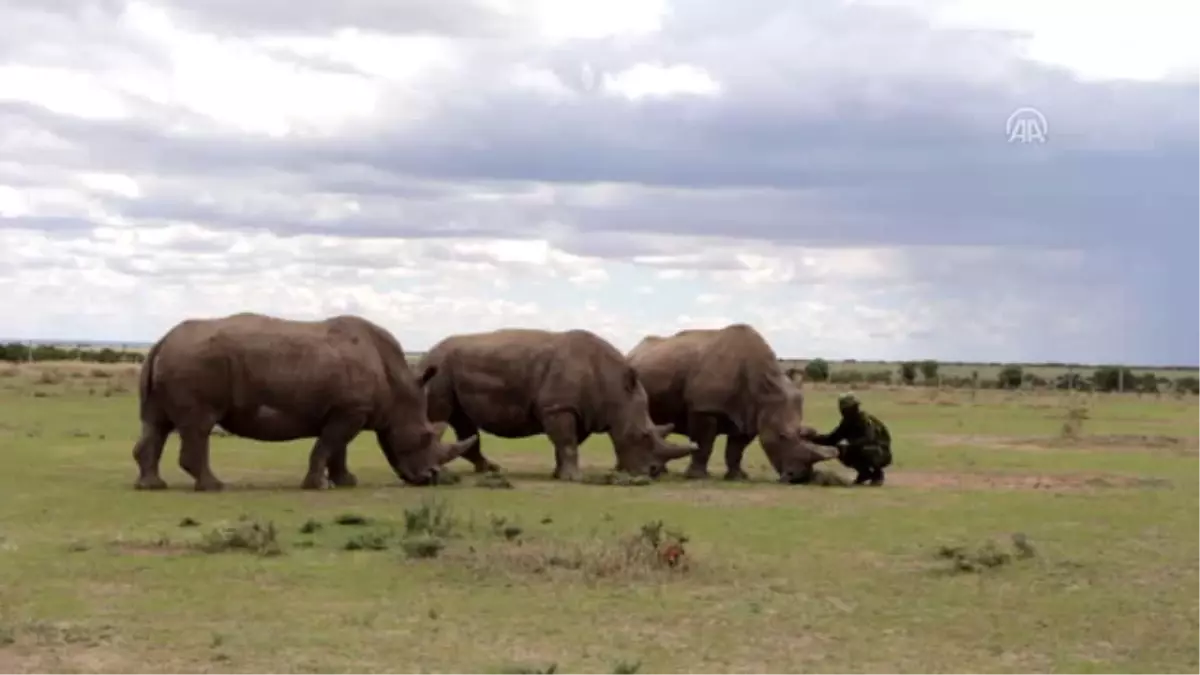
(868, 445)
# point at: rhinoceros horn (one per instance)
(453, 451)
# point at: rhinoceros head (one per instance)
(413, 446)
(417, 455)
(788, 444)
(647, 451)
(799, 455)
(642, 447)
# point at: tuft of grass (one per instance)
(431, 517)
(422, 546)
(990, 555)
(619, 478)
(250, 535)
(626, 667)
(494, 480)
(503, 528)
(368, 541)
(189, 522)
(350, 519)
(1073, 420)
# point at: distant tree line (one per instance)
(1011, 376)
(17, 352)
(910, 373)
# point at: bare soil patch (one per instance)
(700, 495)
(1057, 482)
(62, 659)
(152, 548)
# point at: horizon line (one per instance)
(1050, 363)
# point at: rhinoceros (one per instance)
(708, 382)
(272, 379)
(519, 382)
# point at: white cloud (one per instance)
(647, 80)
(1110, 39)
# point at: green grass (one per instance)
(97, 577)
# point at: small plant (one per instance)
(189, 522)
(626, 667)
(657, 545)
(367, 541)
(351, 519)
(502, 528)
(432, 517)
(249, 535)
(1073, 422)
(422, 546)
(310, 526)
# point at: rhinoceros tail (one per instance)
(146, 381)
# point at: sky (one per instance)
(981, 180)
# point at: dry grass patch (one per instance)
(51, 379)
(990, 555)
(1058, 482)
(1157, 443)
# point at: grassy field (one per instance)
(920, 575)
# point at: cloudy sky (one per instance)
(838, 173)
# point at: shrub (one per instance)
(1010, 377)
(817, 370)
(1188, 383)
(929, 371)
(1113, 378)
(908, 372)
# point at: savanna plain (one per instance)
(1017, 532)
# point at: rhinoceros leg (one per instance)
(560, 428)
(337, 434)
(735, 449)
(193, 457)
(147, 452)
(703, 432)
(339, 472)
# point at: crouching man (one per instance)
(867, 444)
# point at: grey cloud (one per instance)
(838, 126)
(58, 226)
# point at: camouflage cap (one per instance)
(847, 400)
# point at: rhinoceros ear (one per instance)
(427, 375)
(631, 379)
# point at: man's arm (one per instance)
(839, 434)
